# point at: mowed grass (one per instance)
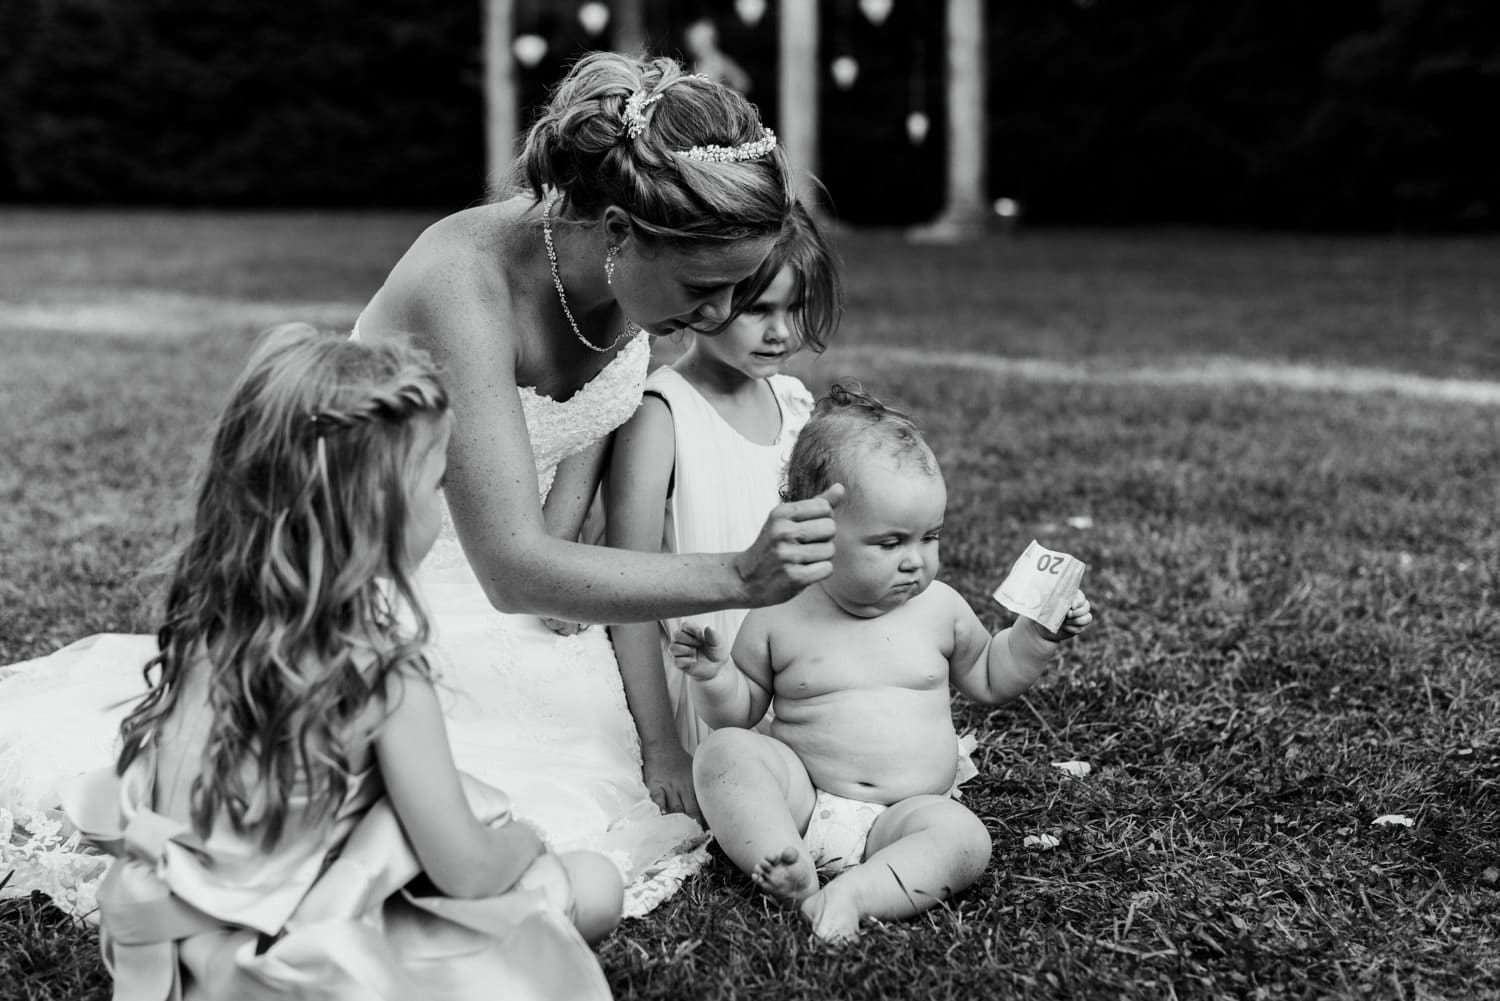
(1297, 625)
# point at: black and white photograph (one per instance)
(793, 500)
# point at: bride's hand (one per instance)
(668, 771)
(792, 551)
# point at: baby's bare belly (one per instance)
(876, 745)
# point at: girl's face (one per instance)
(666, 289)
(886, 539)
(760, 340)
(424, 485)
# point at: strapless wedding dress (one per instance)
(541, 716)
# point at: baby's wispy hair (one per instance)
(844, 422)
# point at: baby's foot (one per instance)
(788, 876)
(833, 916)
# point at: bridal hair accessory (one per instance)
(609, 264)
(734, 154)
(635, 113)
(562, 296)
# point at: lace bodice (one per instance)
(559, 429)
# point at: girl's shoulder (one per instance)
(795, 398)
(664, 380)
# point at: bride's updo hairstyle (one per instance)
(686, 157)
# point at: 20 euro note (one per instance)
(1041, 585)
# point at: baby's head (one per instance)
(886, 541)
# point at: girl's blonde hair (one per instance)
(289, 588)
(584, 147)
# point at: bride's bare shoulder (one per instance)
(458, 264)
(469, 238)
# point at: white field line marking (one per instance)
(169, 314)
(1208, 371)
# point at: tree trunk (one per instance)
(965, 211)
(798, 95)
(630, 26)
(501, 92)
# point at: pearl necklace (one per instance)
(562, 296)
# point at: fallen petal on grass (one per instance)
(1077, 769)
(1041, 842)
(1392, 820)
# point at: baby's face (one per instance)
(886, 542)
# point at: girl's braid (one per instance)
(394, 400)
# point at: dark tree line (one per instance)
(1366, 114)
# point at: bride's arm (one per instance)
(491, 481)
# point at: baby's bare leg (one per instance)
(757, 798)
(920, 851)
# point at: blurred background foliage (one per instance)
(1314, 114)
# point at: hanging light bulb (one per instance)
(876, 10)
(750, 11)
(845, 71)
(594, 17)
(917, 125)
(529, 49)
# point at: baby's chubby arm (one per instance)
(996, 669)
(736, 697)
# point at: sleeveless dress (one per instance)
(541, 716)
(723, 486)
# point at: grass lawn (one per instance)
(1297, 590)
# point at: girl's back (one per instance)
(287, 775)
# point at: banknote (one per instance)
(1041, 585)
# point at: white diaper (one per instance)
(838, 829)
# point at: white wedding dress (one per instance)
(540, 716)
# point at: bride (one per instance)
(648, 194)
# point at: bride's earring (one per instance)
(609, 264)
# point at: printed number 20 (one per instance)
(1051, 564)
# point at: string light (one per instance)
(750, 11)
(594, 17)
(529, 49)
(845, 71)
(876, 10)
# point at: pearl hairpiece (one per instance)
(635, 112)
(734, 154)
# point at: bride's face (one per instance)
(666, 288)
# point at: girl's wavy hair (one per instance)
(817, 290)
(581, 146)
(842, 422)
(290, 587)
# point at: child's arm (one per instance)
(640, 475)
(736, 697)
(566, 508)
(573, 488)
(996, 669)
(461, 856)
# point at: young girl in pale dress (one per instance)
(700, 464)
(285, 811)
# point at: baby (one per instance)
(862, 760)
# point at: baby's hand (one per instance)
(698, 651)
(563, 627)
(1080, 614)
